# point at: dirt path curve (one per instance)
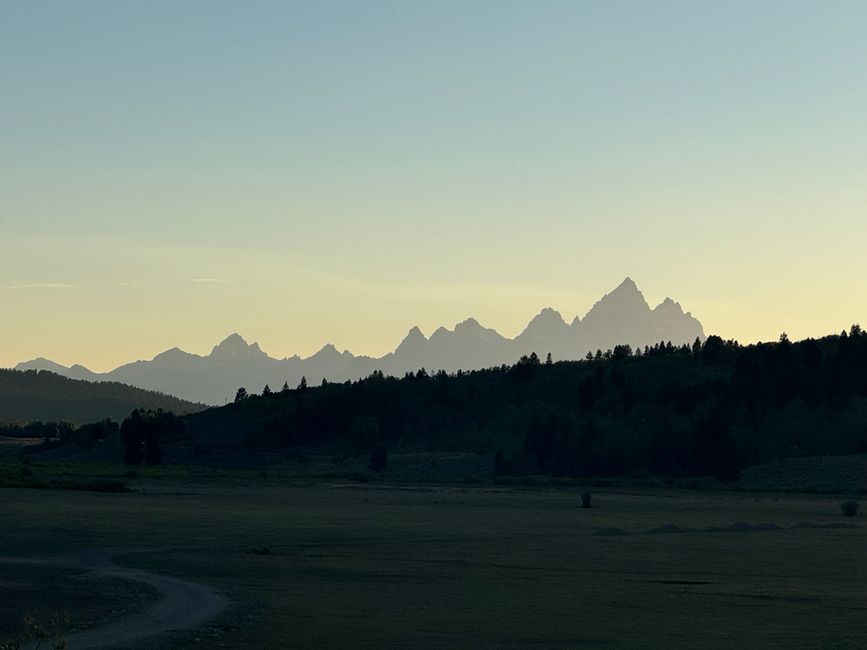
(183, 604)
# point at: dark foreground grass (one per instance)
(365, 566)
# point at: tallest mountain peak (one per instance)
(627, 285)
(625, 302)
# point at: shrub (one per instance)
(585, 499)
(850, 508)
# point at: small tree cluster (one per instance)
(141, 433)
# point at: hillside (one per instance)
(710, 409)
(46, 396)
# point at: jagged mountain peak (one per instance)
(548, 316)
(626, 289)
(669, 306)
(473, 330)
(415, 332)
(548, 323)
(232, 341)
(626, 296)
(440, 332)
(468, 325)
(327, 350)
(412, 342)
(234, 347)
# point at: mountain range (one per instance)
(621, 316)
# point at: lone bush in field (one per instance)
(585, 499)
(850, 508)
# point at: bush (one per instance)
(850, 508)
(585, 499)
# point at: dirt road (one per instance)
(183, 605)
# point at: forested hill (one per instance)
(710, 408)
(45, 396)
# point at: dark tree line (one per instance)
(58, 434)
(701, 409)
(141, 433)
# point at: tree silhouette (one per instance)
(153, 455)
(132, 447)
(379, 459)
(241, 395)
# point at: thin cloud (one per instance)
(208, 280)
(39, 285)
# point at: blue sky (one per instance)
(348, 169)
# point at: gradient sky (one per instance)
(171, 172)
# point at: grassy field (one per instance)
(361, 565)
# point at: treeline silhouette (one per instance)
(137, 438)
(707, 409)
(45, 396)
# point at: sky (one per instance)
(303, 173)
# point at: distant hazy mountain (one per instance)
(49, 397)
(622, 316)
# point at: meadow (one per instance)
(317, 564)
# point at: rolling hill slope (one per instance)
(30, 395)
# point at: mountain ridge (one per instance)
(620, 316)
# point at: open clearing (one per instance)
(326, 565)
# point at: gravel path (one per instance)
(183, 605)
